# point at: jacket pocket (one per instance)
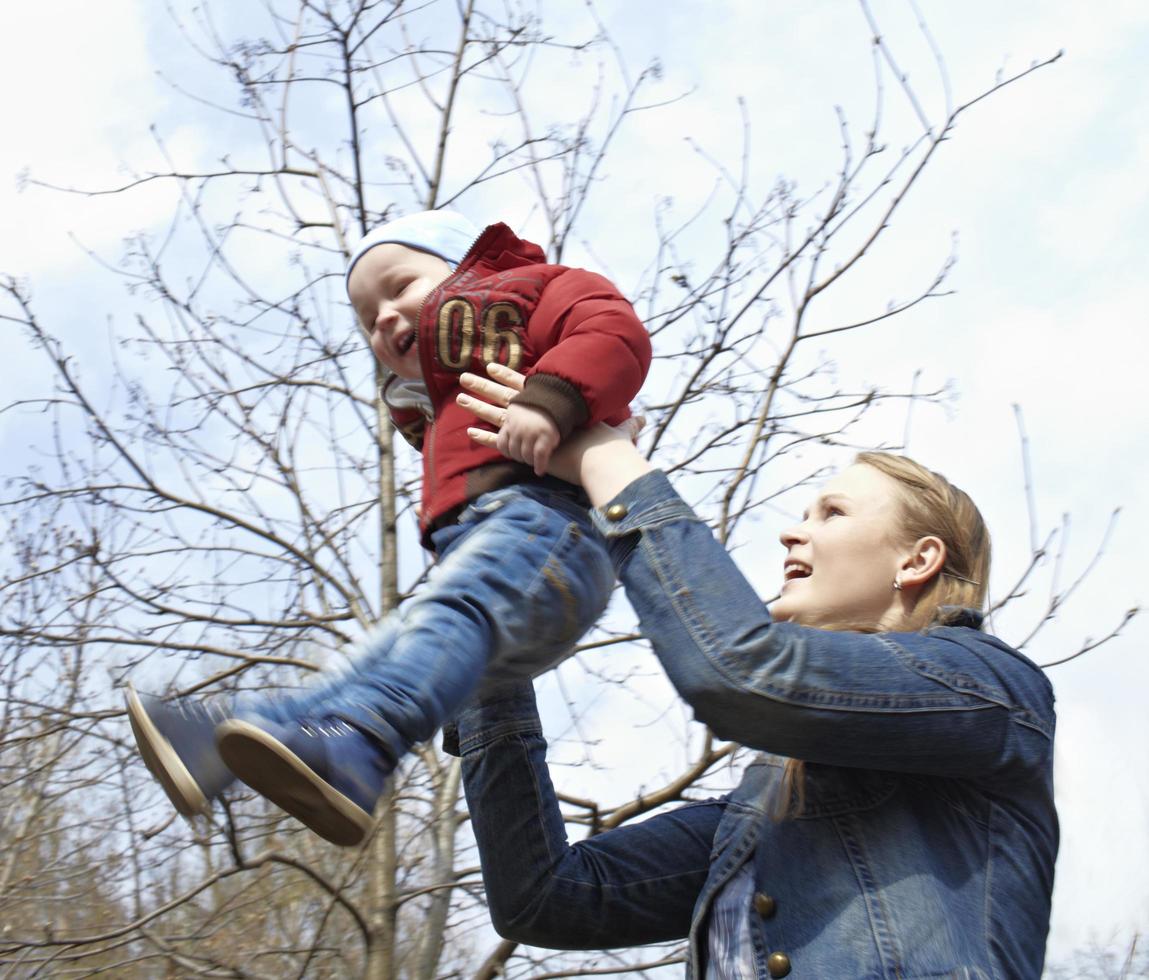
(832, 791)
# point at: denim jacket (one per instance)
(926, 841)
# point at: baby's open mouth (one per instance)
(405, 341)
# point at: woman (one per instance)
(917, 836)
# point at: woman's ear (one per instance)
(923, 562)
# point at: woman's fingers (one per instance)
(488, 397)
(484, 437)
(495, 414)
(502, 385)
(505, 375)
(486, 389)
(482, 392)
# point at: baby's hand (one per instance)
(528, 435)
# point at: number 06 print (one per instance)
(498, 334)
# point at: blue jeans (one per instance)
(521, 576)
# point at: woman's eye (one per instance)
(834, 512)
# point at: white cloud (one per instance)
(87, 93)
(1102, 801)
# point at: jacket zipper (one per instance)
(432, 429)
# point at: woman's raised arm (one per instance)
(629, 886)
(951, 701)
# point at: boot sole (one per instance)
(276, 773)
(164, 762)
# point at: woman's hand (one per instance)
(601, 459)
(492, 396)
(493, 406)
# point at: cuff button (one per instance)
(616, 512)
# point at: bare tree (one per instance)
(1106, 962)
(216, 501)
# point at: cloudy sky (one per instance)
(1044, 185)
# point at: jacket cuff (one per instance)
(645, 503)
(492, 714)
(556, 396)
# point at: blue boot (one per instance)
(177, 742)
(324, 772)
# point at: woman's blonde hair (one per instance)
(929, 506)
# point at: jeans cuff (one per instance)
(508, 709)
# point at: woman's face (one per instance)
(842, 560)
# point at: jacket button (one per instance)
(616, 512)
(778, 964)
(765, 905)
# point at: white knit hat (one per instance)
(446, 234)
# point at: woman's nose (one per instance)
(792, 535)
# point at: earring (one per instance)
(897, 586)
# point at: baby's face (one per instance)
(387, 289)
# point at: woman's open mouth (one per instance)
(796, 569)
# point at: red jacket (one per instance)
(580, 343)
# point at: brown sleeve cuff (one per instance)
(560, 399)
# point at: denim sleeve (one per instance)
(625, 887)
(952, 701)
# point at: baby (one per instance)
(521, 571)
